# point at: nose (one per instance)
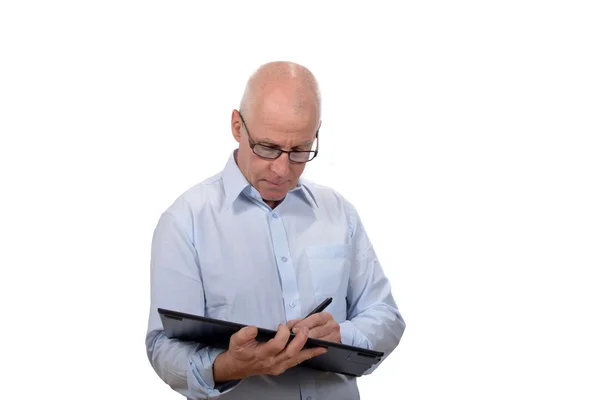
(281, 165)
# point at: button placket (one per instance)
(285, 267)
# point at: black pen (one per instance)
(321, 306)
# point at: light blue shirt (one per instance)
(220, 251)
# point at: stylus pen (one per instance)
(321, 306)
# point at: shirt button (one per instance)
(293, 304)
(274, 215)
(284, 259)
(309, 398)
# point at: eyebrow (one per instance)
(270, 142)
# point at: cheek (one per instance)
(259, 168)
(297, 170)
(245, 159)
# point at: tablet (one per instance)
(340, 358)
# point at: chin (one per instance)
(274, 194)
(270, 196)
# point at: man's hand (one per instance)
(320, 326)
(247, 357)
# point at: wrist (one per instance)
(225, 369)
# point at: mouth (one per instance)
(280, 184)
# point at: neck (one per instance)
(272, 203)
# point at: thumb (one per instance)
(246, 334)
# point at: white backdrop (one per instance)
(465, 133)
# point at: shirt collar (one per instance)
(308, 193)
(234, 183)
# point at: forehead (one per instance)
(283, 129)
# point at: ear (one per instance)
(236, 125)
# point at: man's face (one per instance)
(273, 178)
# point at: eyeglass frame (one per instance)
(252, 144)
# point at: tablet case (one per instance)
(340, 358)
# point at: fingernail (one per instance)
(295, 330)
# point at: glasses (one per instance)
(270, 152)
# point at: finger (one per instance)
(334, 336)
(314, 320)
(243, 336)
(305, 355)
(276, 345)
(290, 324)
(320, 332)
(310, 353)
(336, 332)
(324, 318)
(296, 345)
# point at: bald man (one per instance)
(259, 245)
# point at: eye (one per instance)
(266, 151)
(300, 157)
(264, 147)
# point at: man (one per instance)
(258, 245)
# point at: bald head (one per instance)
(281, 86)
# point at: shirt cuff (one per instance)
(200, 374)
(352, 336)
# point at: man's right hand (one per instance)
(247, 357)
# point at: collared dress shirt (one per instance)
(220, 251)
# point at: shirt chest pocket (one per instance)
(329, 267)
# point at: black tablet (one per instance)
(340, 358)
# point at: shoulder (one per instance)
(191, 202)
(330, 200)
(335, 207)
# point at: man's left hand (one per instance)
(320, 326)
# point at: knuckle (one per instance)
(270, 362)
(300, 325)
(289, 352)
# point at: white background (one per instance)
(465, 133)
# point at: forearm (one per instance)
(186, 367)
(378, 327)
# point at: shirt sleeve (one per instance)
(373, 321)
(176, 284)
